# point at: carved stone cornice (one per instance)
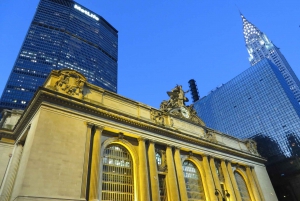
(80, 107)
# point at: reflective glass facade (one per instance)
(63, 34)
(259, 46)
(256, 104)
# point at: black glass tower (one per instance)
(63, 34)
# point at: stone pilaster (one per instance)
(86, 160)
(153, 172)
(95, 165)
(209, 179)
(233, 181)
(215, 176)
(228, 181)
(173, 193)
(143, 171)
(257, 184)
(203, 176)
(252, 184)
(12, 172)
(180, 176)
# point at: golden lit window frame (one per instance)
(192, 173)
(245, 184)
(135, 160)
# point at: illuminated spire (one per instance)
(250, 31)
(259, 47)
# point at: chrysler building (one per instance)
(259, 46)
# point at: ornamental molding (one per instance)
(210, 136)
(252, 146)
(70, 82)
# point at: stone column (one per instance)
(257, 184)
(143, 171)
(228, 182)
(209, 179)
(11, 173)
(180, 176)
(203, 177)
(153, 172)
(95, 165)
(252, 184)
(86, 160)
(233, 181)
(215, 175)
(173, 193)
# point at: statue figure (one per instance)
(177, 96)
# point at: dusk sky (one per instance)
(163, 43)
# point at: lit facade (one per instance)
(259, 46)
(96, 145)
(62, 34)
(258, 104)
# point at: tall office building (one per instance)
(259, 104)
(259, 46)
(63, 34)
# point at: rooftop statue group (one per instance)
(177, 99)
(176, 105)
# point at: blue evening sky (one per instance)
(167, 42)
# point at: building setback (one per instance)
(96, 145)
(62, 34)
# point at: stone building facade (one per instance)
(77, 141)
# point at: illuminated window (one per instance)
(117, 181)
(158, 158)
(242, 187)
(193, 182)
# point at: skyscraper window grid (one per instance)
(260, 103)
(61, 36)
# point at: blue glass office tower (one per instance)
(63, 34)
(259, 104)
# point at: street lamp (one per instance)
(217, 192)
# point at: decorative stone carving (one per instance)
(176, 106)
(158, 117)
(70, 82)
(121, 136)
(252, 146)
(210, 136)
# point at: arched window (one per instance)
(242, 186)
(193, 182)
(117, 182)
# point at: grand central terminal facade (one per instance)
(76, 141)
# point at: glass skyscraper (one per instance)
(259, 46)
(259, 104)
(255, 104)
(63, 34)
